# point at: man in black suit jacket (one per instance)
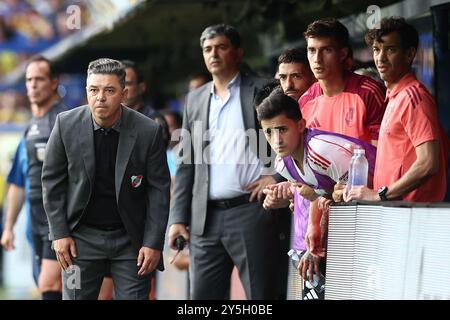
(106, 190)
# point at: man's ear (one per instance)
(343, 53)
(411, 54)
(240, 54)
(55, 83)
(301, 125)
(124, 94)
(142, 88)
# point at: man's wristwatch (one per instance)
(382, 193)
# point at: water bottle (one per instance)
(359, 169)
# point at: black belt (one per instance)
(229, 203)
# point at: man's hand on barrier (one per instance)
(313, 240)
(338, 192)
(308, 266)
(324, 204)
(361, 193)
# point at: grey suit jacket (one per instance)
(190, 193)
(69, 170)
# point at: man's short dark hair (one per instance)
(278, 103)
(296, 55)
(407, 33)
(328, 27)
(132, 65)
(221, 30)
(108, 66)
(51, 68)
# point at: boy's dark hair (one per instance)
(265, 91)
(278, 103)
(407, 33)
(328, 27)
(296, 55)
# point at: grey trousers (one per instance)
(98, 250)
(242, 236)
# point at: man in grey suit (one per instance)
(218, 180)
(106, 190)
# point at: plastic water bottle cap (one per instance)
(359, 151)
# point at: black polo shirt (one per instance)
(102, 210)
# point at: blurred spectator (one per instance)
(5, 31)
(174, 122)
(13, 107)
(29, 27)
(26, 28)
(9, 8)
(134, 82)
(10, 40)
(198, 80)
